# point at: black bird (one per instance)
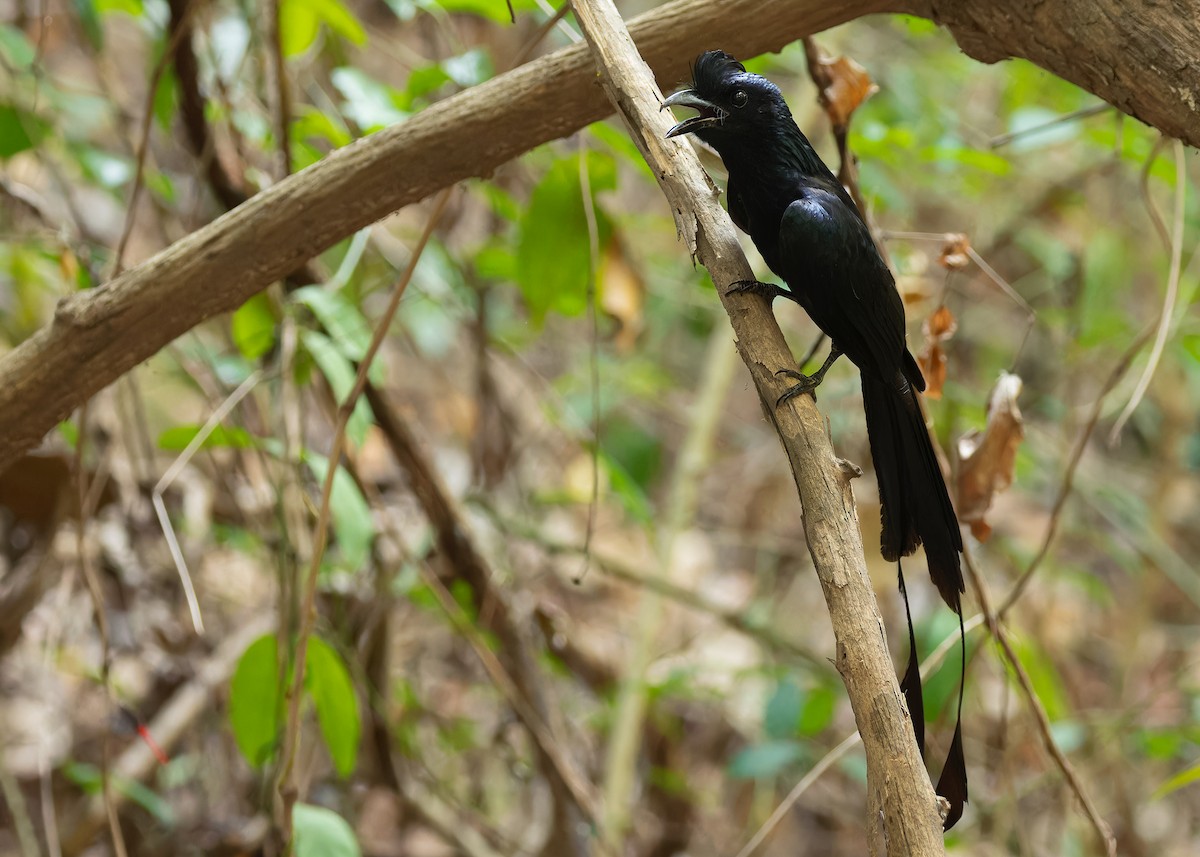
(812, 235)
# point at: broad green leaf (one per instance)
(782, 714)
(328, 683)
(819, 705)
(300, 20)
(15, 49)
(764, 760)
(132, 8)
(310, 122)
(19, 130)
(553, 251)
(370, 103)
(111, 171)
(342, 321)
(254, 701)
(351, 515)
(1047, 683)
(253, 327)
(89, 21)
(177, 438)
(340, 373)
(496, 10)
(321, 832)
(470, 68)
(166, 98)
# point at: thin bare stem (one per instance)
(285, 787)
(1082, 113)
(1169, 299)
(931, 662)
(1068, 479)
(139, 175)
(1000, 635)
(589, 213)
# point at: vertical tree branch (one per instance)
(902, 816)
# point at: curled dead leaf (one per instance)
(938, 328)
(987, 459)
(843, 82)
(955, 253)
(622, 295)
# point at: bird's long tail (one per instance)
(915, 505)
(916, 509)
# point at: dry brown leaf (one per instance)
(937, 329)
(847, 86)
(955, 253)
(987, 459)
(622, 295)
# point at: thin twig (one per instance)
(930, 663)
(589, 213)
(997, 629)
(285, 786)
(97, 593)
(826, 762)
(1064, 491)
(172, 473)
(143, 146)
(614, 566)
(1168, 308)
(1082, 113)
(682, 494)
(281, 102)
(581, 791)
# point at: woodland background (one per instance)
(553, 327)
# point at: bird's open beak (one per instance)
(710, 114)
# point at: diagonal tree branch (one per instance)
(99, 335)
(902, 816)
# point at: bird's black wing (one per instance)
(826, 254)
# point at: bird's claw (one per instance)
(807, 384)
(767, 291)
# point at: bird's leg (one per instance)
(767, 291)
(808, 383)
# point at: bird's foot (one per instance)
(767, 291)
(807, 384)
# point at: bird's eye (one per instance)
(740, 98)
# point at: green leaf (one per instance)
(177, 438)
(310, 122)
(1184, 778)
(782, 714)
(321, 832)
(764, 760)
(1044, 677)
(254, 701)
(299, 21)
(341, 319)
(340, 373)
(89, 22)
(553, 251)
(351, 515)
(470, 68)
(819, 705)
(370, 103)
(19, 130)
(253, 327)
(495, 10)
(15, 49)
(328, 683)
(88, 778)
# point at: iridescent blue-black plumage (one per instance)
(813, 237)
